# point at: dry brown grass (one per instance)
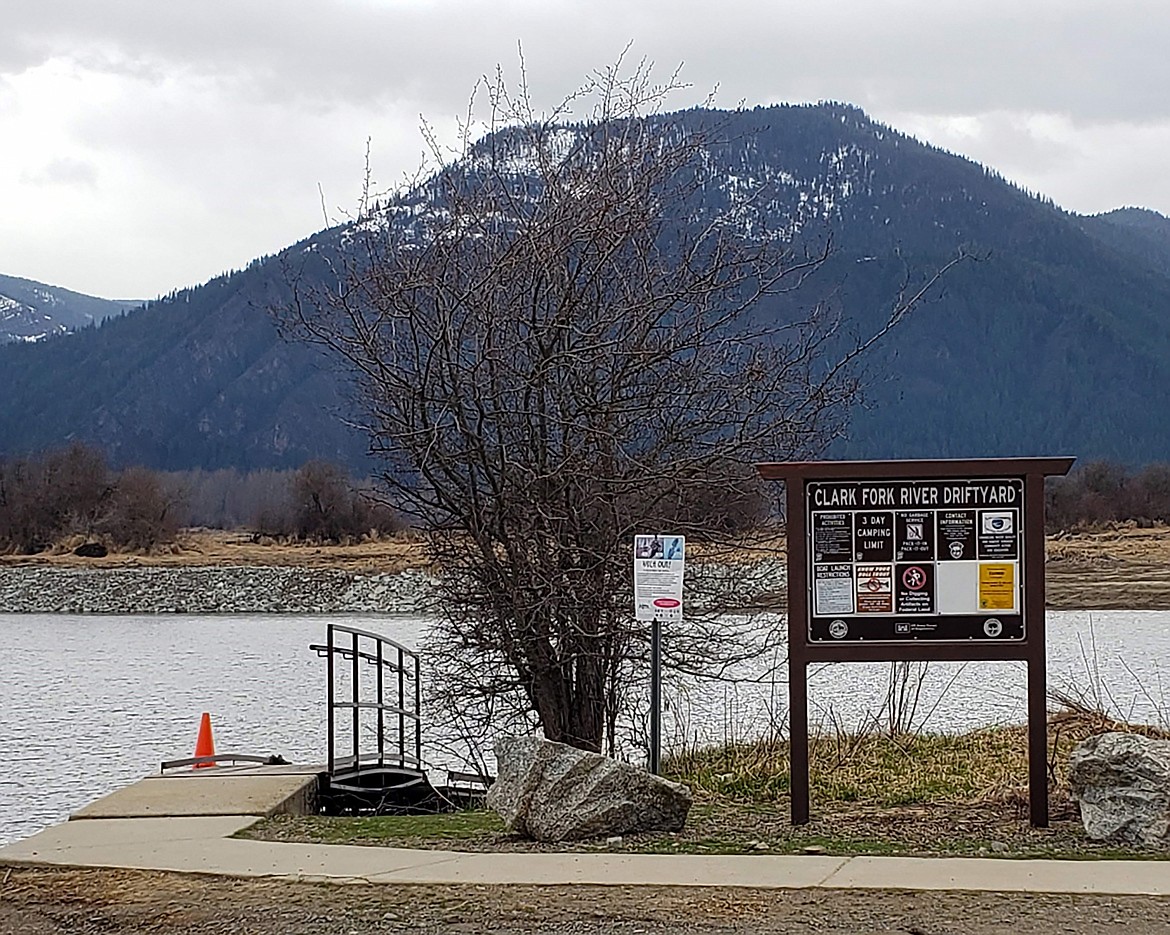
(210, 547)
(988, 766)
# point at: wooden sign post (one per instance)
(920, 561)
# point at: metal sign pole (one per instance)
(655, 696)
(1037, 666)
(659, 566)
(798, 784)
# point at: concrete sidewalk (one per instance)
(203, 845)
(184, 821)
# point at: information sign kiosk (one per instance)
(916, 561)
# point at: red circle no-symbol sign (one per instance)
(914, 578)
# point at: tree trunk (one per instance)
(568, 717)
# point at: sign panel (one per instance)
(898, 560)
(997, 589)
(658, 577)
(875, 589)
(833, 537)
(833, 589)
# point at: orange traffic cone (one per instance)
(204, 746)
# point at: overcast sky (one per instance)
(149, 145)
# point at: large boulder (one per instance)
(553, 792)
(91, 550)
(1122, 782)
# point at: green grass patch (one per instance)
(390, 830)
(872, 794)
(730, 828)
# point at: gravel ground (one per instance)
(107, 902)
(209, 590)
(271, 589)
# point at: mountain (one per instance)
(1055, 341)
(198, 378)
(1135, 232)
(32, 311)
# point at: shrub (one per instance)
(71, 492)
(322, 504)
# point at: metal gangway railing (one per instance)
(391, 703)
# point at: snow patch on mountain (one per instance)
(739, 187)
(32, 311)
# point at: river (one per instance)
(91, 703)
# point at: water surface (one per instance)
(88, 704)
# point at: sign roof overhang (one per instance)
(951, 467)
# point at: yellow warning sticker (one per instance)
(997, 586)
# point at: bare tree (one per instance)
(78, 481)
(56, 494)
(558, 342)
(320, 503)
(141, 512)
(71, 491)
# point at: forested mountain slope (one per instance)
(1056, 340)
(32, 311)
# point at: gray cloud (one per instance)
(209, 126)
(64, 171)
(1093, 60)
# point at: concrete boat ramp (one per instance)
(252, 789)
(184, 822)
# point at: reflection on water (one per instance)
(88, 704)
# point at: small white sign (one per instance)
(957, 587)
(834, 590)
(658, 577)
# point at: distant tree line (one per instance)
(73, 493)
(1103, 492)
(320, 503)
(54, 498)
(317, 502)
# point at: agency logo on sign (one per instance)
(998, 523)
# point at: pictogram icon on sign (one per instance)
(914, 578)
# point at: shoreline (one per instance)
(293, 589)
(221, 590)
(218, 572)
